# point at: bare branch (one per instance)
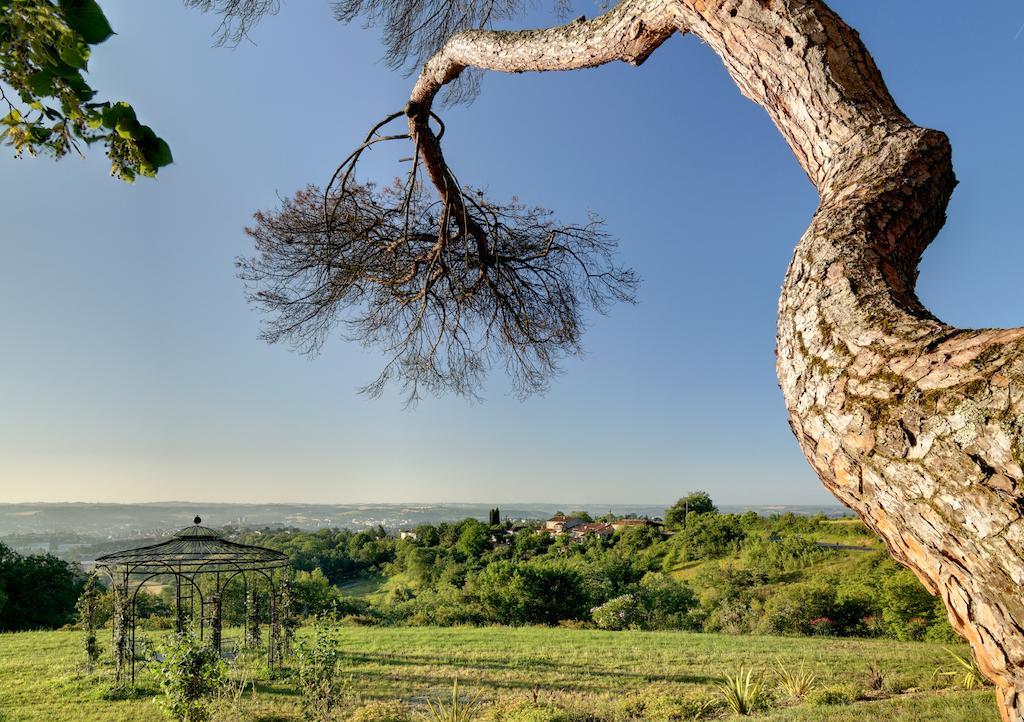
(237, 16)
(445, 289)
(447, 285)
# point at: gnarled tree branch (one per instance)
(916, 425)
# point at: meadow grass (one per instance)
(42, 677)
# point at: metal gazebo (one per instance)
(194, 552)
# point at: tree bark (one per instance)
(915, 425)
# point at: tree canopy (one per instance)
(36, 591)
(696, 502)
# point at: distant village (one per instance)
(575, 528)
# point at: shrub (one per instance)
(622, 612)
(382, 711)
(873, 626)
(810, 608)
(666, 602)
(942, 631)
(898, 684)
(88, 609)
(771, 559)
(907, 607)
(318, 672)
(830, 696)
(190, 672)
(707, 536)
(359, 620)
(676, 707)
(534, 592)
(730, 616)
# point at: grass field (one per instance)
(41, 677)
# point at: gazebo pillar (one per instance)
(121, 631)
(215, 621)
(253, 631)
(274, 638)
(180, 617)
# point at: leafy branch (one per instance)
(44, 53)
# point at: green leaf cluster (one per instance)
(45, 48)
(191, 672)
(318, 665)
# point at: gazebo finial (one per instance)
(197, 520)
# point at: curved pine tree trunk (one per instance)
(916, 425)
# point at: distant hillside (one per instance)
(52, 522)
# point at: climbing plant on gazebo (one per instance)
(201, 563)
(88, 608)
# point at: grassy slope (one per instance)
(841, 560)
(40, 678)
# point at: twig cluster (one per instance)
(237, 16)
(447, 283)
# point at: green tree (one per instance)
(621, 612)
(696, 502)
(474, 539)
(633, 539)
(707, 536)
(529, 543)
(534, 592)
(908, 609)
(41, 590)
(312, 592)
(666, 602)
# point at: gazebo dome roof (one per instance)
(194, 549)
(198, 532)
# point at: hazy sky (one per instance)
(130, 368)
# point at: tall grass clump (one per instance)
(965, 672)
(743, 692)
(876, 680)
(381, 711)
(796, 683)
(456, 710)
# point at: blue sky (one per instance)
(131, 368)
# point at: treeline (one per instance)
(743, 574)
(701, 571)
(37, 591)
